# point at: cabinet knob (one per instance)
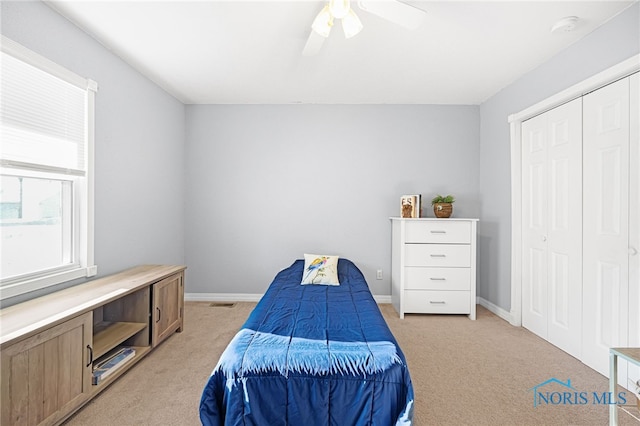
(544, 238)
(632, 251)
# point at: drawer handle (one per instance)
(438, 232)
(438, 255)
(437, 302)
(437, 279)
(90, 355)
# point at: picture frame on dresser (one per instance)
(433, 266)
(411, 206)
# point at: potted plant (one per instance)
(443, 205)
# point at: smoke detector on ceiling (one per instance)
(565, 25)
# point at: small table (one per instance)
(631, 355)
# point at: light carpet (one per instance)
(464, 373)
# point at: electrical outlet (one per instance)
(379, 274)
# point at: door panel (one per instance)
(606, 224)
(534, 201)
(538, 289)
(560, 287)
(560, 194)
(564, 230)
(552, 227)
(607, 297)
(609, 191)
(634, 221)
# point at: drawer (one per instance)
(439, 231)
(420, 278)
(447, 255)
(437, 302)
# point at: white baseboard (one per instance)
(221, 297)
(241, 297)
(382, 299)
(497, 310)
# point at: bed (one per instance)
(311, 355)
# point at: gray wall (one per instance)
(610, 44)
(139, 143)
(266, 184)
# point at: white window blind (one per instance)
(43, 119)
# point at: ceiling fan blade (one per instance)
(395, 11)
(313, 45)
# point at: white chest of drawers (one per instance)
(433, 266)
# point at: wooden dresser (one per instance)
(433, 266)
(50, 345)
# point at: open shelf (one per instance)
(140, 352)
(108, 335)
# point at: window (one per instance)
(46, 172)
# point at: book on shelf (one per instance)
(112, 363)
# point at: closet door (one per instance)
(552, 226)
(606, 224)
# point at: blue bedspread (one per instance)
(311, 355)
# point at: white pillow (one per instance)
(320, 269)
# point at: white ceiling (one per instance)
(249, 52)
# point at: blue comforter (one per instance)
(311, 355)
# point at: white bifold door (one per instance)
(581, 225)
(611, 216)
(552, 226)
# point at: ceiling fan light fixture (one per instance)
(351, 24)
(323, 22)
(339, 8)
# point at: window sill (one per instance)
(26, 286)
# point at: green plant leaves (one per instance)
(443, 199)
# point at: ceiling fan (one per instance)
(392, 10)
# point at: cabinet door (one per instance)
(47, 376)
(168, 300)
